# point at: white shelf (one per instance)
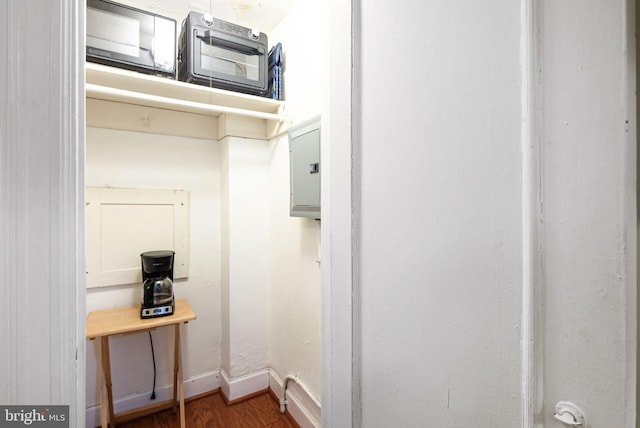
(235, 112)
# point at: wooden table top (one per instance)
(108, 322)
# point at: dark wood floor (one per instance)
(211, 411)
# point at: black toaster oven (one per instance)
(130, 38)
(216, 53)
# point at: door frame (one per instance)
(42, 203)
(339, 182)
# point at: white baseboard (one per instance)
(242, 386)
(301, 407)
(193, 386)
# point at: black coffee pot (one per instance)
(157, 284)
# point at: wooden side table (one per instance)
(109, 322)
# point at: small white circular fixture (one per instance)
(569, 414)
(255, 34)
(208, 19)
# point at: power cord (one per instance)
(153, 356)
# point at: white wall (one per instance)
(440, 222)
(495, 241)
(295, 295)
(245, 266)
(150, 161)
(589, 209)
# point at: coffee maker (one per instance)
(157, 284)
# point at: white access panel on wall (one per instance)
(122, 223)
(304, 164)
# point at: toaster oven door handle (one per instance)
(210, 39)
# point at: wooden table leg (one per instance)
(106, 370)
(105, 404)
(180, 379)
(176, 365)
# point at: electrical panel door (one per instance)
(304, 162)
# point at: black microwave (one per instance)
(130, 38)
(216, 53)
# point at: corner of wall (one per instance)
(299, 403)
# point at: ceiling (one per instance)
(263, 15)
